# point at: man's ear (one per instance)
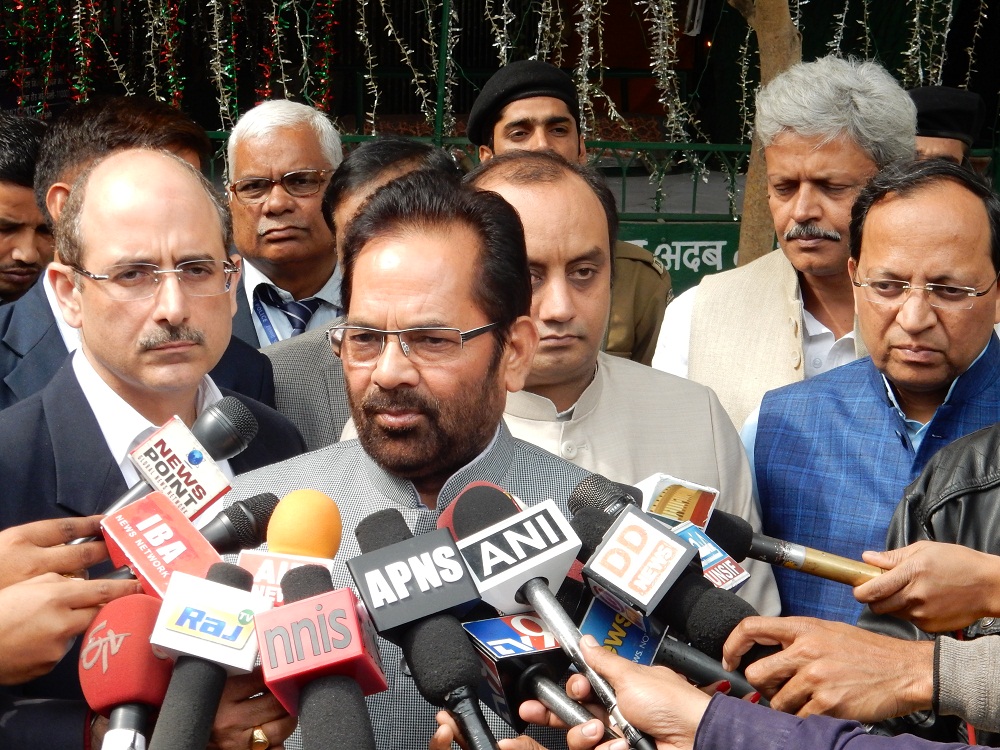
(63, 280)
(485, 153)
(520, 353)
(583, 152)
(55, 199)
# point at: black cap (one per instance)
(944, 112)
(519, 80)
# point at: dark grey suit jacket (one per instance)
(309, 387)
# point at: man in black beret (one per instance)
(530, 105)
(948, 122)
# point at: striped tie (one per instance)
(298, 312)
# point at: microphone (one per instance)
(621, 636)
(737, 538)
(122, 675)
(305, 529)
(320, 659)
(412, 580)
(520, 659)
(153, 539)
(224, 430)
(242, 525)
(518, 564)
(209, 625)
(626, 559)
(404, 578)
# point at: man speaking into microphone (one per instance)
(146, 279)
(438, 331)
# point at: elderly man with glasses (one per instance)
(145, 277)
(281, 156)
(438, 330)
(832, 455)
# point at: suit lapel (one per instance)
(34, 336)
(87, 478)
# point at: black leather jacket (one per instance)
(955, 499)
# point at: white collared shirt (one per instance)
(123, 427)
(324, 317)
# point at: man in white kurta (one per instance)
(605, 414)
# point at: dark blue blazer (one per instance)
(32, 350)
(54, 463)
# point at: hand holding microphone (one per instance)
(938, 587)
(40, 547)
(41, 617)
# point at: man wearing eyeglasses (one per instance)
(833, 454)
(144, 274)
(281, 156)
(438, 302)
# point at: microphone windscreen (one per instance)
(440, 656)
(710, 616)
(590, 524)
(230, 575)
(225, 428)
(333, 715)
(732, 533)
(248, 520)
(479, 506)
(306, 522)
(599, 492)
(304, 582)
(381, 529)
(117, 663)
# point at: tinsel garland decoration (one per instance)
(590, 16)
(323, 52)
(81, 81)
(926, 53)
(222, 65)
(431, 10)
(839, 25)
(303, 33)
(371, 83)
(971, 49)
(409, 59)
(746, 119)
(170, 51)
(549, 43)
(500, 24)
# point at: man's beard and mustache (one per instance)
(169, 334)
(811, 232)
(447, 438)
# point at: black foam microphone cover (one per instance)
(243, 525)
(732, 533)
(185, 721)
(381, 529)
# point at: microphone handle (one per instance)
(700, 668)
(135, 493)
(185, 720)
(463, 705)
(812, 561)
(126, 728)
(546, 691)
(537, 592)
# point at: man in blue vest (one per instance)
(832, 454)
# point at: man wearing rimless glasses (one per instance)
(281, 157)
(833, 454)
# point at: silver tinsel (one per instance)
(549, 43)
(970, 50)
(423, 91)
(370, 81)
(217, 68)
(500, 24)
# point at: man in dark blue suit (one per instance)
(33, 341)
(144, 276)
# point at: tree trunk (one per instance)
(780, 45)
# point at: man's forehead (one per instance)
(535, 108)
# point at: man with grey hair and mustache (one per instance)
(282, 155)
(826, 128)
